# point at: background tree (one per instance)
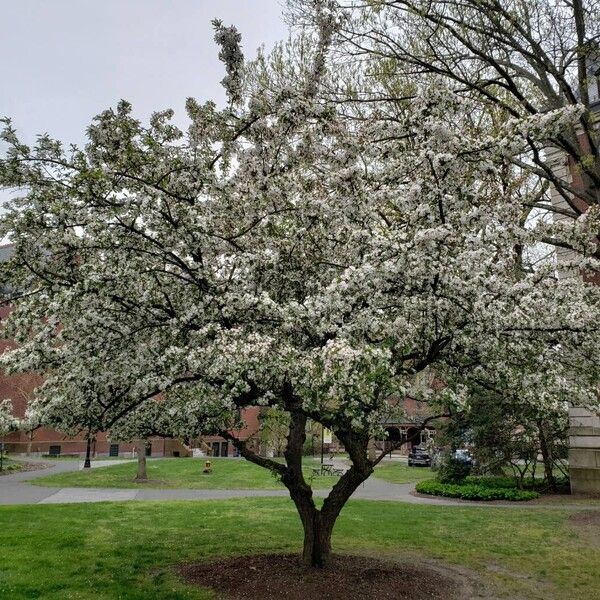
(504, 432)
(7, 424)
(32, 420)
(274, 429)
(156, 417)
(515, 58)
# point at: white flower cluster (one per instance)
(7, 421)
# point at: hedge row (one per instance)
(492, 481)
(470, 491)
(537, 484)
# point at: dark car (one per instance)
(419, 457)
(464, 456)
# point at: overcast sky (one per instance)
(64, 61)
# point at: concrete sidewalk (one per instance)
(14, 489)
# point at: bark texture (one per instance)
(140, 448)
(547, 457)
(87, 463)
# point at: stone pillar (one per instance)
(584, 451)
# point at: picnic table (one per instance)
(327, 469)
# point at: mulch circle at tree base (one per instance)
(272, 577)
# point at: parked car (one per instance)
(419, 457)
(464, 456)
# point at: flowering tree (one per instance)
(7, 423)
(157, 417)
(29, 423)
(140, 424)
(283, 253)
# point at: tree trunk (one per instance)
(87, 463)
(318, 524)
(546, 458)
(141, 461)
(317, 539)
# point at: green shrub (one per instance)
(471, 491)
(12, 467)
(537, 484)
(453, 471)
(563, 482)
(492, 481)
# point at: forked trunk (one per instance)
(141, 461)
(318, 524)
(317, 539)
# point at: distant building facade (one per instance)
(411, 429)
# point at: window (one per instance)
(54, 450)
(114, 450)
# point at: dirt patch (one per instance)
(585, 518)
(586, 525)
(35, 466)
(272, 577)
(569, 499)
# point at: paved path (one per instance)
(14, 489)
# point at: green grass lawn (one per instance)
(228, 473)
(126, 550)
(397, 472)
